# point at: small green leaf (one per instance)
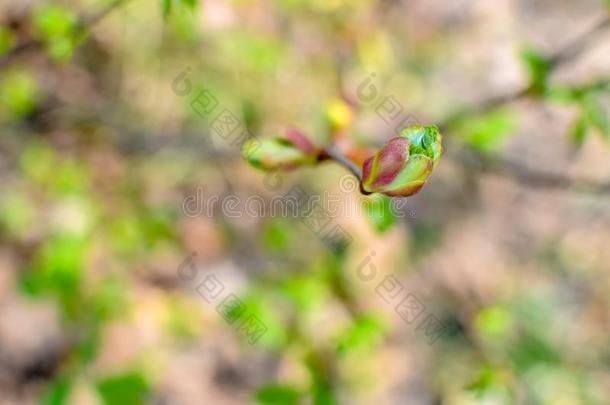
(379, 210)
(56, 27)
(61, 49)
(487, 133)
(484, 381)
(539, 67)
(424, 141)
(274, 394)
(276, 235)
(363, 335)
(127, 389)
(18, 92)
(54, 21)
(166, 8)
(596, 114)
(494, 321)
(57, 393)
(563, 94)
(579, 132)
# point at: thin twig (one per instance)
(526, 175)
(335, 155)
(515, 170)
(569, 51)
(573, 49)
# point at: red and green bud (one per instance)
(402, 166)
(281, 153)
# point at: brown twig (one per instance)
(526, 175)
(332, 153)
(573, 49)
(515, 170)
(569, 51)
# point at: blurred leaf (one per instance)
(190, 3)
(89, 341)
(278, 395)
(57, 392)
(56, 26)
(539, 67)
(596, 114)
(562, 94)
(484, 381)
(71, 177)
(18, 92)
(37, 161)
(263, 304)
(64, 176)
(109, 299)
(251, 114)
(184, 25)
(126, 389)
(180, 320)
(17, 213)
(494, 321)
(307, 291)
(323, 389)
(579, 131)
(533, 343)
(531, 350)
(166, 8)
(366, 333)
(54, 21)
(61, 49)
(379, 210)
(486, 133)
(7, 40)
(276, 234)
(257, 52)
(126, 234)
(57, 269)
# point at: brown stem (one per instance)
(578, 45)
(513, 169)
(332, 153)
(568, 52)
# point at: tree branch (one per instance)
(568, 52)
(515, 170)
(82, 29)
(526, 175)
(332, 153)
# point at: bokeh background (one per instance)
(506, 246)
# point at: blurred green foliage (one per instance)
(488, 132)
(56, 26)
(379, 210)
(97, 154)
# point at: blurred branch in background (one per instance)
(568, 53)
(526, 175)
(513, 169)
(101, 156)
(83, 27)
